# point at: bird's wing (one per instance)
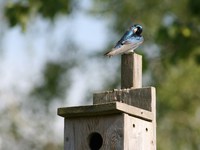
(128, 34)
(119, 50)
(129, 44)
(134, 40)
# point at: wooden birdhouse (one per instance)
(121, 119)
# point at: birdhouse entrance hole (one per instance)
(95, 141)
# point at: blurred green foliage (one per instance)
(178, 107)
(52, 86)
(17, 14)
(174, 26)
(20, 12)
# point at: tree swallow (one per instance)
(131, 39)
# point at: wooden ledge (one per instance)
(137, 97)
(104, 109)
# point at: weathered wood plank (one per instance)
(104, 109)
(131, 71)
(141, 98)
(153, 106)
(138, 134)
(110, 127)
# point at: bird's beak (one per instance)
(135, 29)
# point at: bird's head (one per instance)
(138, 29)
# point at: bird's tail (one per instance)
(118, 50)
(109, 54)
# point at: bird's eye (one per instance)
(139, 30)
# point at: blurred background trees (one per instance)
(171, 54)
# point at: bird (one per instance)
(131, 39)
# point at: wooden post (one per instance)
(131, 71)
(120, 119)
